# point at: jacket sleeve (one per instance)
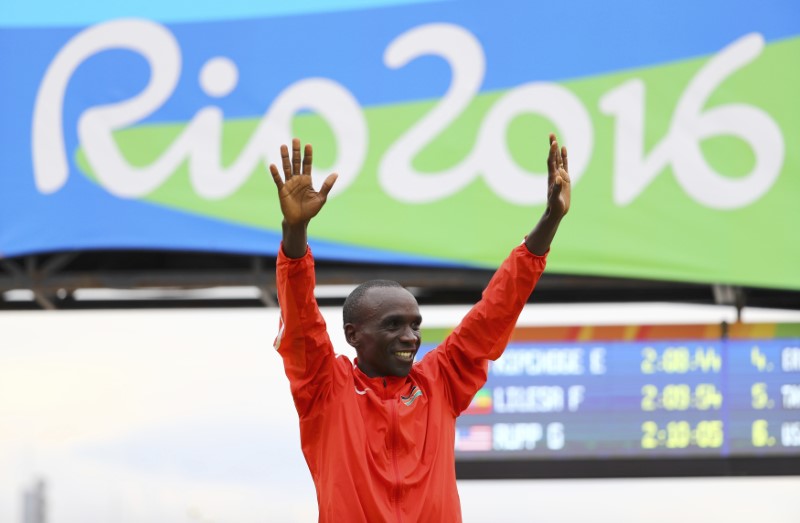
(302, 341)
(462, 360)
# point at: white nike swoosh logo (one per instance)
(362, 392)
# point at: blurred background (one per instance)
(654, 374)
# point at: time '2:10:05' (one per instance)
(707, 434)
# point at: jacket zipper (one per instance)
(396, 486)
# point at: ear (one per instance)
(351, 334)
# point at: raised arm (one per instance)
(302, 340)
(462, 359)
(559, 193)
(299, 201)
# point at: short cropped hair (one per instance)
(352, 304)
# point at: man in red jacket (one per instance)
(378, 434)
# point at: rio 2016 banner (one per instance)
(154, 129)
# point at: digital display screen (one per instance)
(705, 391)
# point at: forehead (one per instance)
(379, 302)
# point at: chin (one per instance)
(401, 372)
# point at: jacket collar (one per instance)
(385, 386)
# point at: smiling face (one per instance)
(386, 334)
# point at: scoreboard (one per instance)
(648, 395)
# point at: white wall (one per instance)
(185, 415)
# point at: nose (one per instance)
(409, 335)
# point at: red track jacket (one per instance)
(382, 449)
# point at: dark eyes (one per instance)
(397, 324)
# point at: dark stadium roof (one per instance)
(51, 281)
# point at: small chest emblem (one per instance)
(412, 396)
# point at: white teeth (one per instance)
(406, 355)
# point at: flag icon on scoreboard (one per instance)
(474, 438)
(481, 403)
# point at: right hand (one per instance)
(559, 186)
(299, 201)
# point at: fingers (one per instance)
(327, 185)
(287, 165)
(554, 147)
(307, 159)
(295, 156)
(291, 167)
(276, 176)
(552, 163)
(557, 161)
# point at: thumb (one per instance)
(557, 185)
(327, 185)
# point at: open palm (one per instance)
(299, 201)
